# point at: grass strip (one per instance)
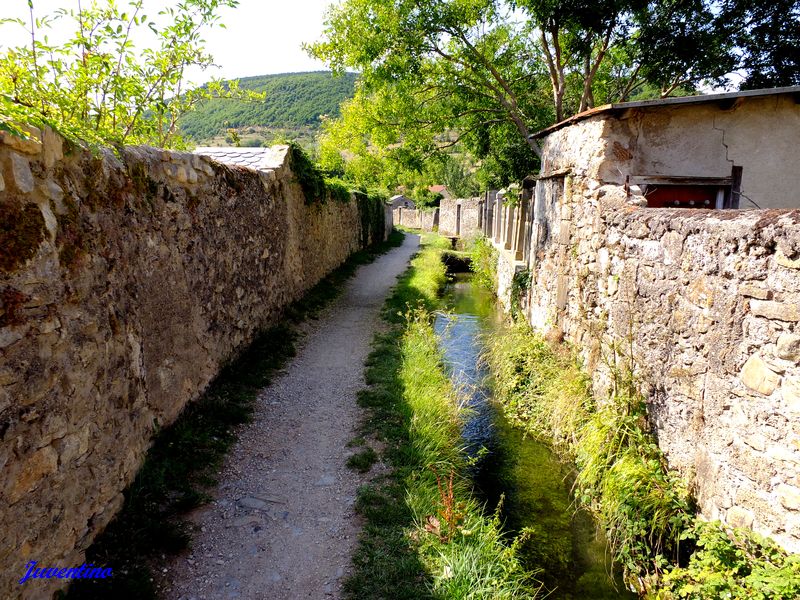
(185, 458)
(425, 534)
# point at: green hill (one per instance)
(293, 105)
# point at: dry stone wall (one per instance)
(125, 283)
(705, 306)
(426, 220)
(460, 217)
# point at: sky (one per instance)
(262, 36)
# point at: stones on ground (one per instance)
(326, 480)
(253, 503)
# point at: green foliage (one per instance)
(363, 460)
(425, 536)
(338, 189)
(520, 284)
(307, 175)
(767, 37)
(291, 100)
(733, 563)
(371, 210)
(97, 87)
(424, 198)
(621, 473)
(622, 477)
(484, 263)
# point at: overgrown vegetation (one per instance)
(319, 189)
(484, 263)
(622, 477)
(186, 456)
(425, 536)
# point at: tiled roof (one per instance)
(260, 159)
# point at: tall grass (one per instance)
(663, 547)
(426, 536)
(484, 263)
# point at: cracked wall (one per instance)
(125, 283)
(704, 140)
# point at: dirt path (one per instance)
(282, 523)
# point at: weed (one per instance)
(622, 477)
(484, 263)
(363, 460)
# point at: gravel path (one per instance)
(282, 523)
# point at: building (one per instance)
(401, 201)
(441, 189)
(717, 151)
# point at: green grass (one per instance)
(664, 549)
(363, 460)
(186, 456)
(425, 535)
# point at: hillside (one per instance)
(293, 105)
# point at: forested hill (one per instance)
(293, 100)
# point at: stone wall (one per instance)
(426, 220)
(125, 283)
(705, 307)
(460, 217)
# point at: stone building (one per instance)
(716, 151)
(401, 201)
(637, 257)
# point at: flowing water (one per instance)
(562, 542)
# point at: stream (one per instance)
(563, 544)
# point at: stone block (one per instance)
(779, 311)
(757, 376)
(36, 467)
(785, 261)
(32, 145)
(790, 392)
(21, 171)
(739, 517)
(788, 496)
(52, 147)
(753, 291)
(788, 347)
(701, 292)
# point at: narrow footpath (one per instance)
(282, 523)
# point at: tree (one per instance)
(767, 40)
(484, 74)
(97, 86)
(449, 59)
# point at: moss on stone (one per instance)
(22, 230)
(73, 245)
(11, 301)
